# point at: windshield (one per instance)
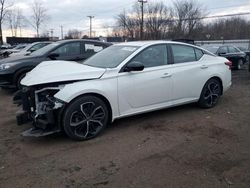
(46, 49)
(110, 57)
(211, 49)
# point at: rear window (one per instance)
(199, 53)
(183, 54)
(212, 49)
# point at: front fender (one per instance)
(104, 87)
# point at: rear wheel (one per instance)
(210, 94)
(85, 118)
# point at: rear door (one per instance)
(189, 73)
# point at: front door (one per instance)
(150, 88)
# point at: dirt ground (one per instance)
(178, 147)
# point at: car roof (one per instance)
(83, 40)
(152, 42)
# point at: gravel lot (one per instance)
(178, 147)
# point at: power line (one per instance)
(221, 16)
(230, 6)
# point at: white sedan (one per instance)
(122, 80)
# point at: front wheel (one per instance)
(85, 118)
(19, 79)
(210, 94)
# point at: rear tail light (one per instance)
(229, 64)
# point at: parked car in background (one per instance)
(247, 51)
(122, 80)
(232, 53)
(7, 52)
(13, 69)
(30, 48)
(5, 46)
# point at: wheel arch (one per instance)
(218, 79)
(21, 71)
(98, 95)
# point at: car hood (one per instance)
(17, 58)
(60, 71)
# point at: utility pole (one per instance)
(142, 17)
(51, 32)
(62, 32)
(90, 25)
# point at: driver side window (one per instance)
(69, 49)
(153, 56)
(222, 50)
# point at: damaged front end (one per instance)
(40, 107)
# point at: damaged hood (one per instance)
(60, 71)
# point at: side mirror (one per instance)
(223, 53)
(134, 66)
(53, 56)
(28, 53)
(32, 50)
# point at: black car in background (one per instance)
(13, 69)
(247, 51)
(232, 53)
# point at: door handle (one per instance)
(204, 67)
(166, 75)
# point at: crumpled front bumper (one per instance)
(45, 124)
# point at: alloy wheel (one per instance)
(88, 120)
(212, 93)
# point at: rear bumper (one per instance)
(226, 87)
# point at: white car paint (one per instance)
(134, 92)
(57, 71)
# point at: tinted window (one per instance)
(199, 53)
(69, 49)
(212, 49)
(93, 47)
(222, 50)
(232, 49)
(183, 53)
(153, 56)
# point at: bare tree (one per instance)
(15, 20)
(73, 34)
(187, 14)
(158, 18)
(4, 6)
(129, 23)
(39, 16)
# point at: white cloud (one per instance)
(72, 14)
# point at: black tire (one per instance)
(18, 80)
(239, 64)
(85, 118)
(210, 94)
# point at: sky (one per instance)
(72, 14)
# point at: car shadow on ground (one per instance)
(117, 126)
